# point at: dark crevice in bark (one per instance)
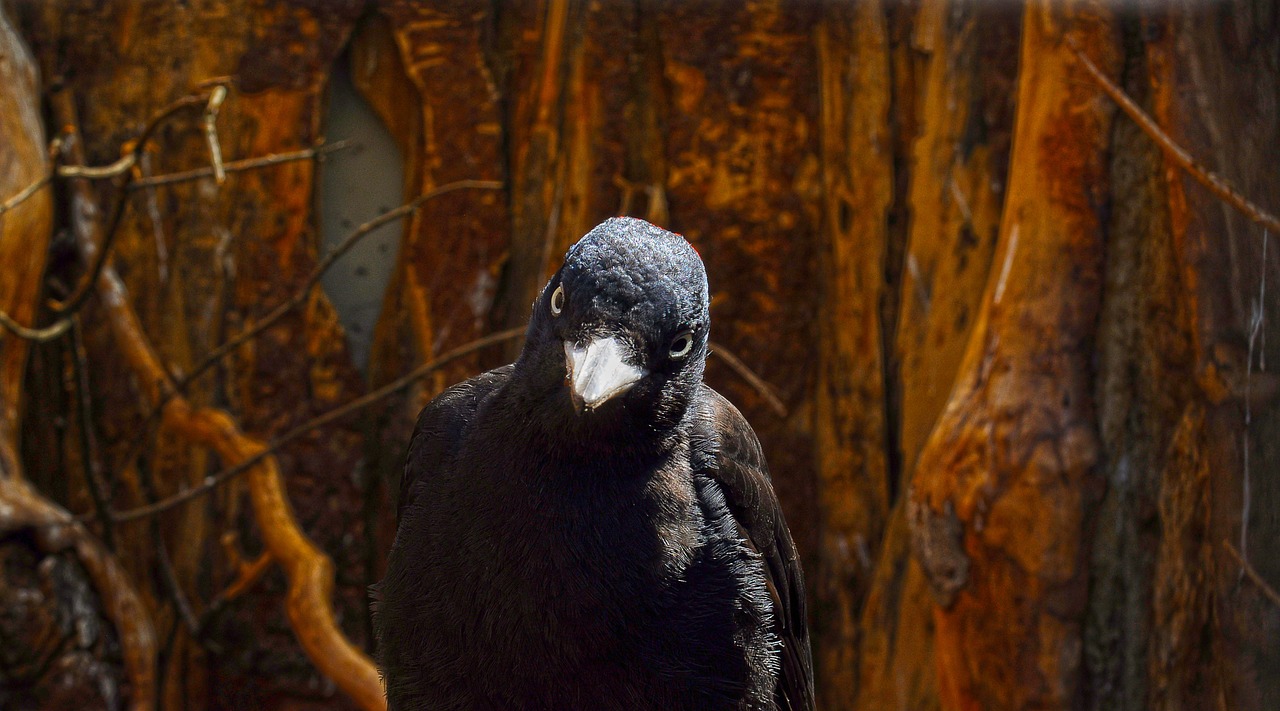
(1139, 388)
(902, 129)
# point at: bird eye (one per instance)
(557, 300)
(681, 345)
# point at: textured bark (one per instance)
(454, 248)
(24, 229)
(310, 572)
(1027, 404)
(848, 400)
(81, 666)
(200, 263)
(742, 183)
(957, 174)
(1144, 388)
(58, 654)
(1001, 495)
(1214, 71)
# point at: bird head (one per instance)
(624, 323)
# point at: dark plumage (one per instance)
(592, 527)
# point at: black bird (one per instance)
(592, 527)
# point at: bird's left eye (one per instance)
(681, 345)
(557, 300)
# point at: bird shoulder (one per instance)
(441, 426)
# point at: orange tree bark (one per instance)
(25, 228)
(1000, 500)
(843, 169)
(200, 263)
(310, 571)
(848, 396)
(957, 171)
(453, 250)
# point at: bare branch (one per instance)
(99, 490)
(1252, 574)
(236, 166)
(93, 172)
(210, 119)
(59, 327)
(128, 161)
(25, 193)
(309, 571)
(755, 381)
(1215, 183)
(215, 480)
(170, 577)
(54, 147)
(65, 105)
(39, 335)
(191, 101)
(323, 266)
(247, 572)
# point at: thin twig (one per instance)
(99, 489)
(59, 327)
(96, 172)
(246, 575)
(66, 106)
(180, 602)
(213, 481)
(196, 100)
(38, 335)
(168, 576)
(117, 168)
(309, 571)
(25, 193)
(1252, 574)
(236, 166)
(323, 266)
(180, 384)
(1215, 183)
(210, 121)
(755, 381)
(48, 333)
(55, 147)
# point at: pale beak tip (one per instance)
(597, 372)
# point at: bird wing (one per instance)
(743, 474)
(441, 427)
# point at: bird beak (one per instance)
(597, 372)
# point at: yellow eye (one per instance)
(557, 300)
(681, 345)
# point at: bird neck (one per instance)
(620, 430)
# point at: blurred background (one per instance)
(1006, 349)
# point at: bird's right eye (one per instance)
(557, 300)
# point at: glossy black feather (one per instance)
(743, 473)
(629, 558)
